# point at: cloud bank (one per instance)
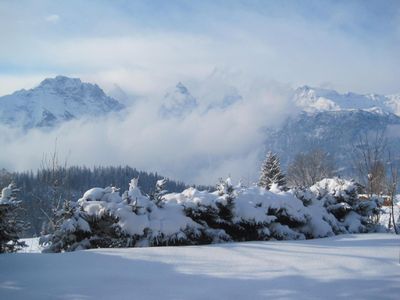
(200, 148)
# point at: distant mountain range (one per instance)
(333, 122)
(327, 120)
(55, 100)
(335, 132)
(317, 100)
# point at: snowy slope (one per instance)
(55, 100)
(317, 99)
(342, 267)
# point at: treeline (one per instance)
(44, 190)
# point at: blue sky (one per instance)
(262, 49)
(346, 45)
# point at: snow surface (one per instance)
(32, 246)
(342, 267)
(386, 211)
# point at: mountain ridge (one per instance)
(312, 99)
(53, 101)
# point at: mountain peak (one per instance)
(74, 87)
(60, 81)
(178, 103)
(319, 99)
(181, 88)
(53, 101)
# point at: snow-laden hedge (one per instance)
(106, 218)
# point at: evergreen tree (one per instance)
(10, 226)
(72, 230)
(227, 192)
(160, 191)
(271, 173)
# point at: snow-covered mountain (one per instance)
(55, 100)
(335, 132)
(333, 122)
(225, 100)
(178, 102)
(317, 99)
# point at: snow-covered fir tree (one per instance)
(71, 230)
(10, 226)
(159, 192)
(226, 192)
(271, 173)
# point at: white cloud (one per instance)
(142, 52)
(52, 18)
(199, 149)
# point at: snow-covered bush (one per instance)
(105, 218)
(10, 226)
(351, 214)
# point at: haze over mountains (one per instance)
(201, 126)
(62, 98)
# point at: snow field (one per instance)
(361, 266)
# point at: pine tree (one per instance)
(227, 192)
(10, 226)
(160, 191)
(271, 173)
(72, 230)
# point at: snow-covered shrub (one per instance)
(276, 214)
(10, 226)
(351, 214)
(105, 218)
(247, 213)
